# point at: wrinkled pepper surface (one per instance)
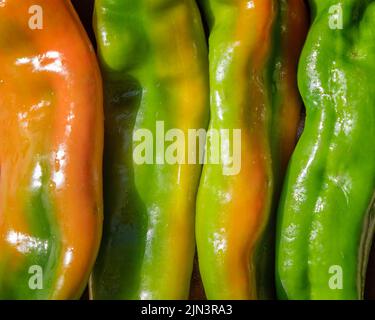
(51, 143)
(154, 61)
(254, 49)
(326, 215)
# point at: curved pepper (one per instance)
(326, 216)
(50, 152)
(154, 61)
(254, 48)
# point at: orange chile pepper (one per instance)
(51, 143)
(254, 50)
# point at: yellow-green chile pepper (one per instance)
(154, 62)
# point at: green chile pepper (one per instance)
(154, 63)
(326, 215)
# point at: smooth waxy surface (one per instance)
(50, 153)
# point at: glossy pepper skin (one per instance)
(254, 48)
(154, 61)
(51, 128)
(326, 216)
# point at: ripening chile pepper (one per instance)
(254, 49)
(154, 63)
(51, 143)
(326, 215)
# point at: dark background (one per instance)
(85, 11)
